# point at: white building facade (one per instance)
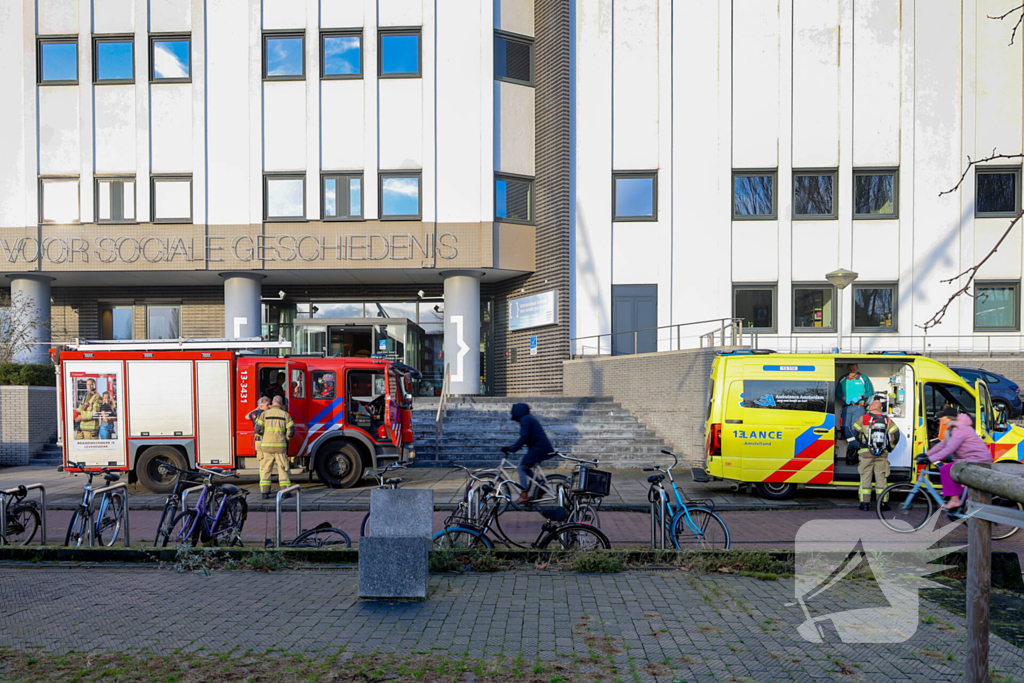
(753, 146)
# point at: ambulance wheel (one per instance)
(339, 465)
(151, 470)
(776, 491)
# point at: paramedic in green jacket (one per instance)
(853, 392)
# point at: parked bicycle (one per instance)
(691, 524)
(218, 516)
(322, 536)
(587, 488)
(912, 505)
(380, 474)
(172, 505)
(22, 519)
(107, 518)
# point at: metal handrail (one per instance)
(92, 522)
(298, 513)
(3, 511)
(442, 405)
(731, 328)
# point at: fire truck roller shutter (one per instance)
(340, 461)
(160, 398)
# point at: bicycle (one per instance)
(543, 488)
(692, 524)
(912, 505)
(108, 517)
(172, 505)
(322, 536)
(197, 525)
(587, 488)
(463, 532)
(22, 519)
(382, 483)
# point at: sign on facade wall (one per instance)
(537, 310)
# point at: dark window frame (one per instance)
(111, 38)
(400, 31)
(287, 33)
(514, 177)
(110, 305)
(754, 172)
(323, 194)
(814, 286)
(997, 170)
(174, 177)
(892, 170)
(161, 37)
(48, 178)
(341, 33)
(653, 174)
(814, 172)
(894, 286)
(287, 175)
(381, 176)
(45, 40)
(1012, 284)
(97, 179)
(525, 40)
(753, 286)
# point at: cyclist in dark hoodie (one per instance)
(538, 448)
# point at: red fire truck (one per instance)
(186, 403)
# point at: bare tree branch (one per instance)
(971, 163)
(1016, 26)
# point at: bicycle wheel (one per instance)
(22, 524)
(77, 534)
(584, 513)
(167, 515)
(999, 531)
(909, 509)
(180, 530)
(574, 536)
(704, 530)
(328, 538)
(461, 538)
(110, 522)
(232, 519)
(365, 526)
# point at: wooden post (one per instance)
(979, 587)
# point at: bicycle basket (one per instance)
(589, 480)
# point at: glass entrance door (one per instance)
(350, 340)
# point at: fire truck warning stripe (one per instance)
(326, 411)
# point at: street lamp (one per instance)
(840, 279)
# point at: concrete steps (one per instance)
(49, 455)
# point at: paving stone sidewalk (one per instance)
(654, 626)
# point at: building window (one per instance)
(998, 192)
(163, 321)
(58, 61)
(284, 197)
(399, 53)
(172, 199)
(283, 58)
(814, 195)
(513, 58)
(170, 59)
(997, 306)
(875, 194)
(635, 196)
(341, 55)
(113, 59)
(874, 307)
(753, 195)
(755, 304)
(400, 195)
(342, 196)
(115, 200)
(116, 321)
(813, 308)
(513, 198)
(59, 200)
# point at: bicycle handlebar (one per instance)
(674, 457)
(579, 460)
(469, 472)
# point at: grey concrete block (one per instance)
(393, 567)
(402, 513)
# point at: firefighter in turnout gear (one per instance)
(87, 415)
(878, 435)
(275, 428)
(262, 406)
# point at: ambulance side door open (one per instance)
(986, 420)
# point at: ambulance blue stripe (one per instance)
(808, 437)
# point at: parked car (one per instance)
(1004, 392)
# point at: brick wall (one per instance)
(666, 391)
(28, 420)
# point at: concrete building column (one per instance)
(32, 292)
(462, 330)
(243, 312)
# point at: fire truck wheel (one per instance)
(339, 465)
(151, 471)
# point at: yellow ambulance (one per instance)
(773, 419)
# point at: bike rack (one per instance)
(3, 511)
(92, 525)
(298, 513)
(658, 513)
(184, 496)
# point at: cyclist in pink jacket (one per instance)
(962, 443)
